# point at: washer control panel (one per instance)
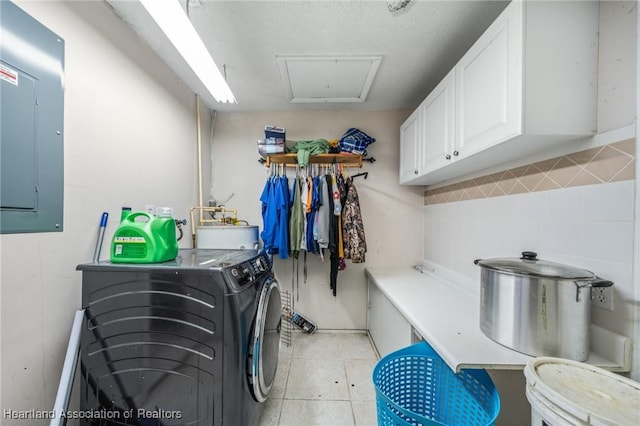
(260, 264)
(247, 272)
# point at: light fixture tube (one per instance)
(175, 24)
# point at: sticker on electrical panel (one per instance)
(7, 74)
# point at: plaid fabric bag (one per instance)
(355, 141)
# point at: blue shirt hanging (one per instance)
(269, 216)
(282, 228)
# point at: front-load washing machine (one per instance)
(193, 341)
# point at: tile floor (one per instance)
(323, 379)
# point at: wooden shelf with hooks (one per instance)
(291, 160)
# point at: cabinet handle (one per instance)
(415, 172)
(448, 157)
(455, 153)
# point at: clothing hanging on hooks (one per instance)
(355, 245)
(275, 216)
(296, 230)
(319, 214)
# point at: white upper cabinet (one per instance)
(528, 83)
(427, 136)
(489, 85)
(437, 113)
(409, 148)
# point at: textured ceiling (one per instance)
(418, 45)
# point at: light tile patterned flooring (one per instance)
(323, 379)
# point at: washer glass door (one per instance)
(266, 340)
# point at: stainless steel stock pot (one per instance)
(537, 307)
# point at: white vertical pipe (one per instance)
(61, 404)
(199, 137)
(212, 127)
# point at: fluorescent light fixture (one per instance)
(175, 24)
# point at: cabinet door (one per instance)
(388, 328)
(489, 85)
(437, 133)
(374, 314)
(409, 132)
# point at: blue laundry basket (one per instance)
(414, 386)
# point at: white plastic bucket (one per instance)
(570, 393)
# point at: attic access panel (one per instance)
(31, 113)
(309, 79)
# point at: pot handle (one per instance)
(599, 282)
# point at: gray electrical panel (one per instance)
(31, 126)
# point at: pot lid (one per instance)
(529, 264)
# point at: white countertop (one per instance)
(446, 313)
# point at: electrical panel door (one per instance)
(31, 113)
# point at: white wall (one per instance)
(618, 72)
(391, 213)
(129, 139)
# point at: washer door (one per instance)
(266, 340)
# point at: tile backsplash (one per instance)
(577, 209)
(589, 226)
(609, 163)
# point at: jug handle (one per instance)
(132, 216)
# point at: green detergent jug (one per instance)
(143, 238)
